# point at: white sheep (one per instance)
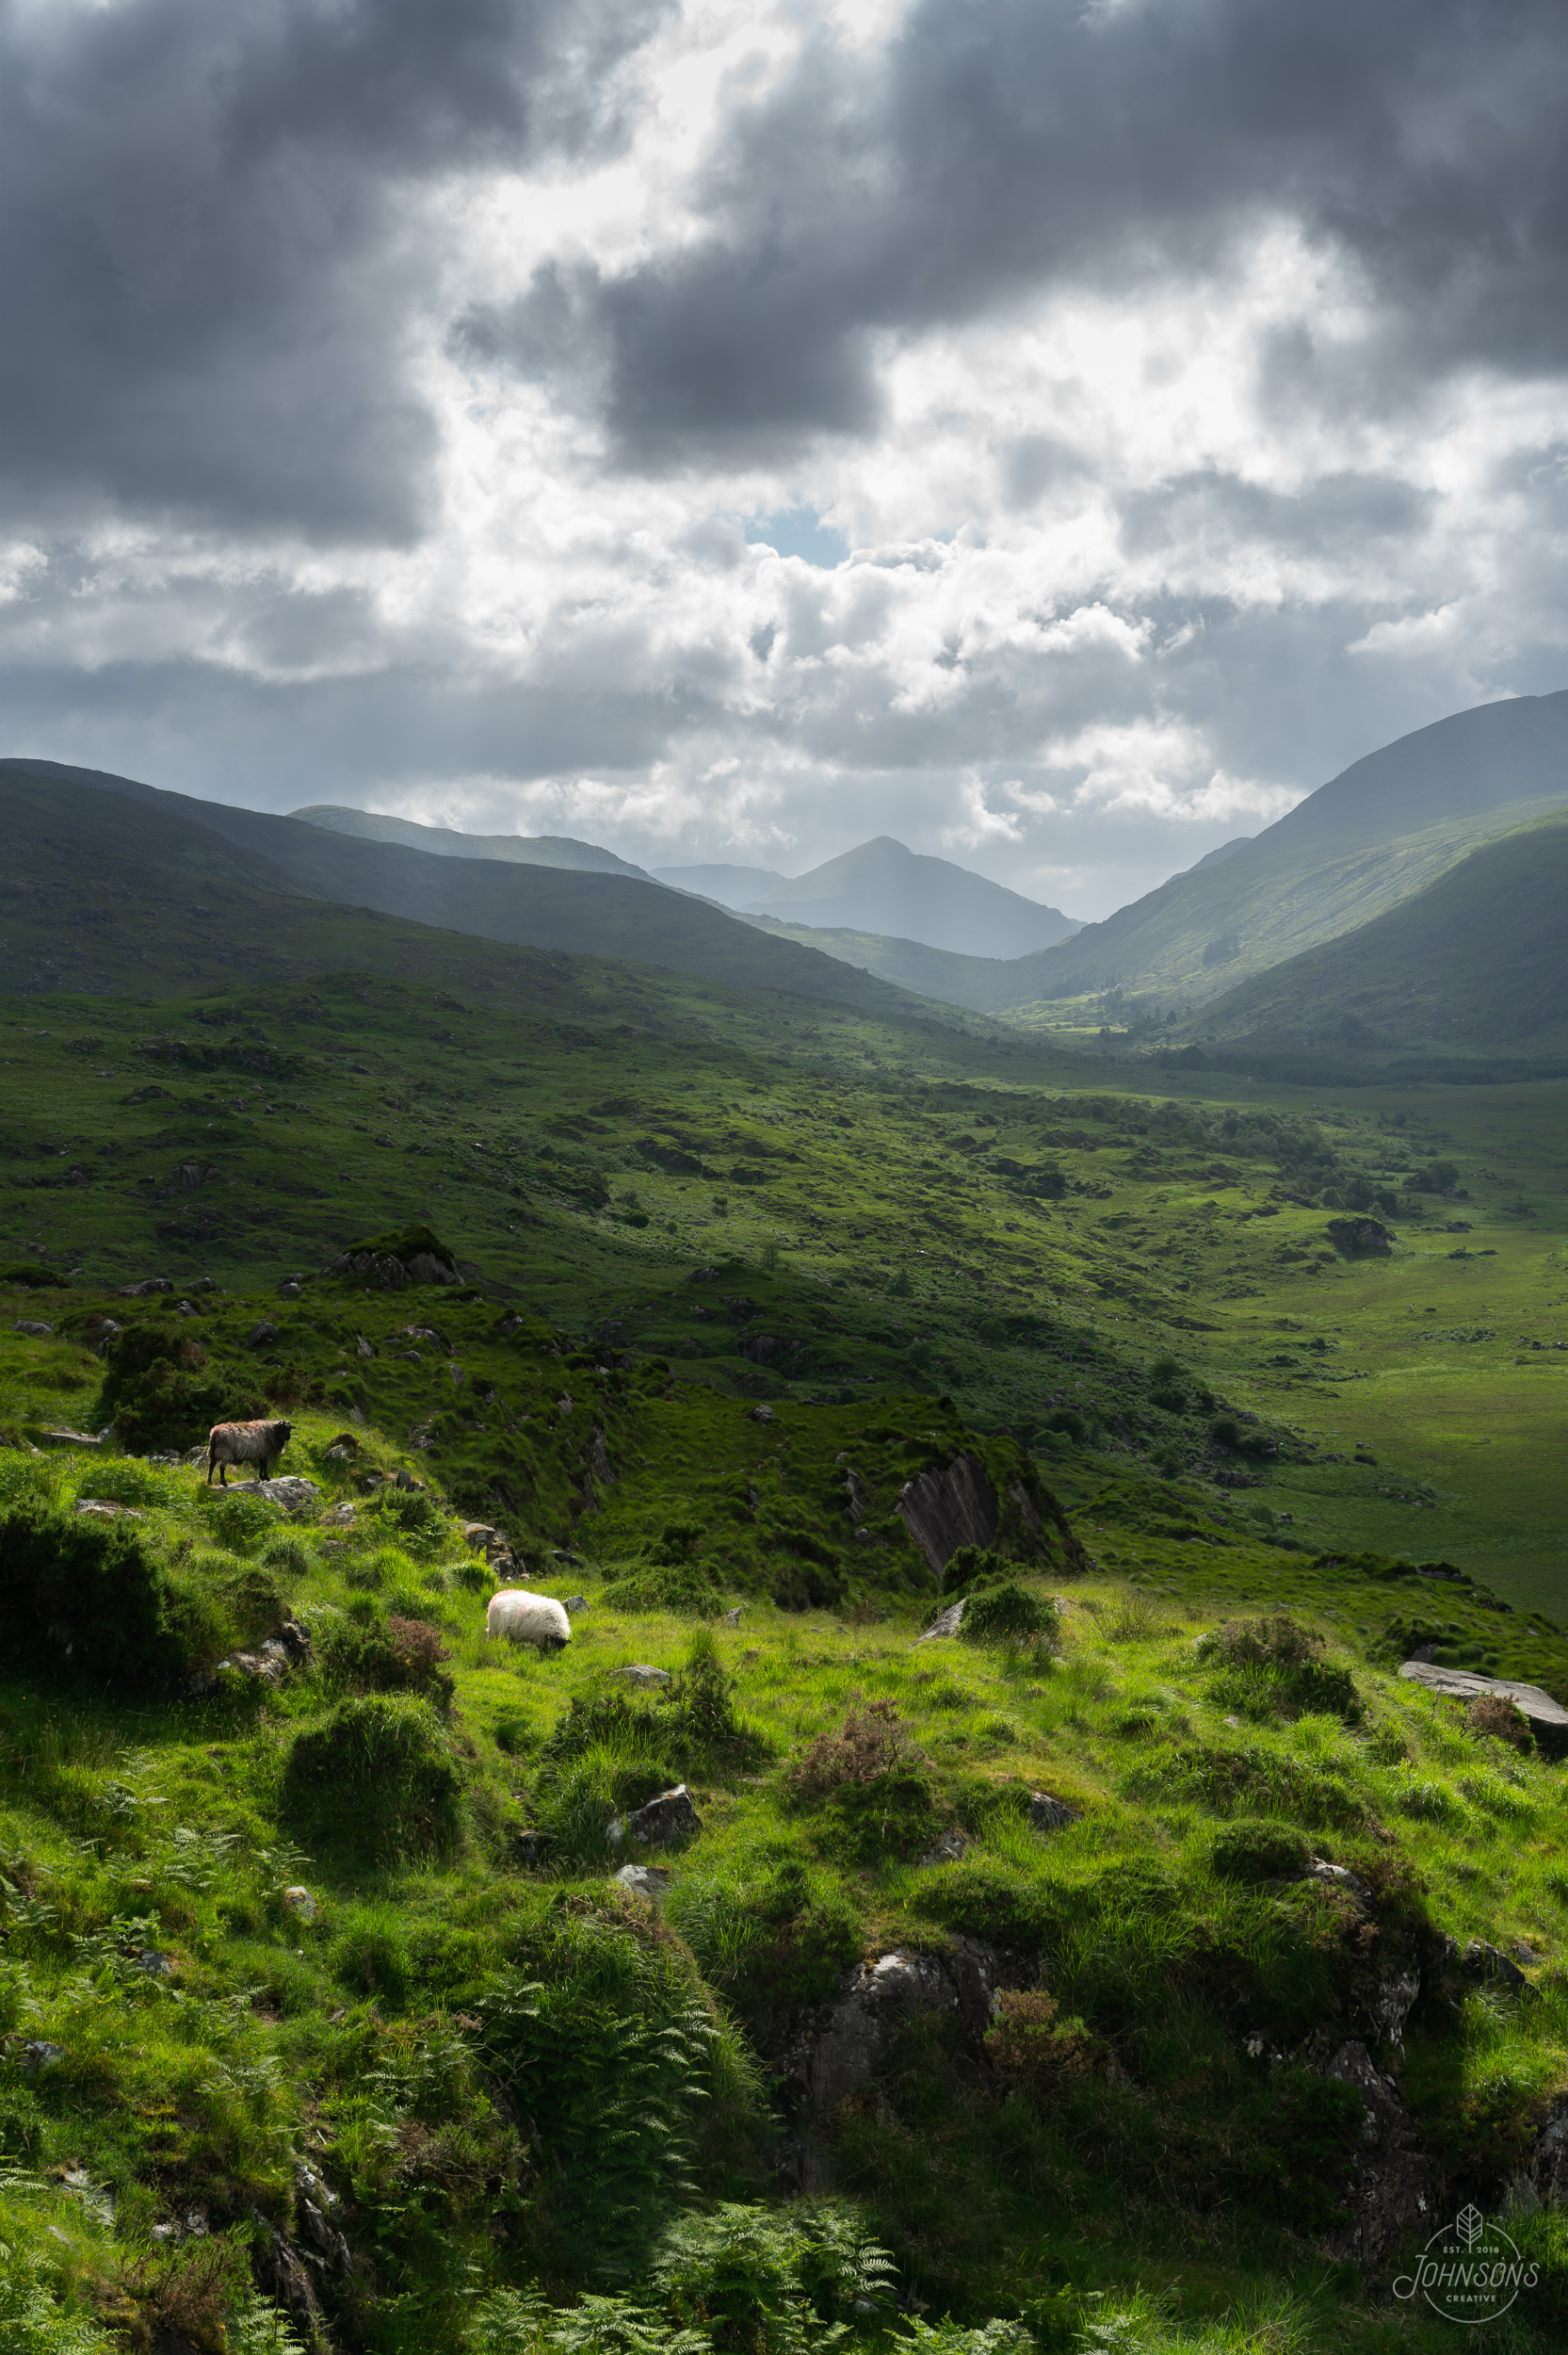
(525, 1618)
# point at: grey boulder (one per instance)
(670, 1817)
(1547, 1719)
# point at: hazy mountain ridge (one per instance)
(588, 915)
(519, 850)
(884, 888)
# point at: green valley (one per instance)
(1004, 1989)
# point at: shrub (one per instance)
(1257, 1848)
(86, 1596)
(1494, 1715)
(185, 2292)
(676, 1586)
(875, 1742)
(160, 1390)
(122, 1480)
(767, 1945)
(1007, 1614)
(378, 1776)
(393, 1655)
(1276, 1668)
(973, 1567)
(868, 1780)
(1036, 2053)
(699, 1718)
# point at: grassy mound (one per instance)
(377, 1779)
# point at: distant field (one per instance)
(589, 1135)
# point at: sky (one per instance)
(1059, 433)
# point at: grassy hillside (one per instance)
(883, 1206)
(327, 1981)
(1477, 960)
(1388, 826)
(931, 973)
(71, 829)
(322, 2019)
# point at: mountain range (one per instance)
(1409, 899)
(883, 888)
(85, 844)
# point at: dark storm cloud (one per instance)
(208, 277)
(998, 146)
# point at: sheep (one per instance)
(525, 1618)
(256, 1443)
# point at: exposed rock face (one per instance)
(1388, 2194)
(268, 1663)
(289, 1491)
(1548, 2168)
(839, 2047)
(946, 1509)
(645, 1679)
(1359, 1237)
(1481, 1961)
(946, 1623)
(841, 2053)
(1048, 1815)
(671, 1817)
(1394, 2003)
(644, 1880)
(281, 2271)
(1547, 1719)
(481, 1538)
(599, 1459)
(325, 2246)
(392, 1274)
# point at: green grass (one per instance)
(365, 2033)
(670, 1205)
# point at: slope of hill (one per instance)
(732, 887)
(1478, 958)
(70, 827)
(882, 887)
(519, 850)
(939, 973)
(1386, 827)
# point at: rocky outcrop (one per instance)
(1048, 1815)
(1548, 2165)
(1547, 1719)
(288, 1489)
(945, 1509)
(391, 1273)
(946, 1623)
(281, 2271)
(832, 2051)
(1389, 2191)
(670, 1817)
(268, 1663)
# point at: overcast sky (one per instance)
(1057, 433)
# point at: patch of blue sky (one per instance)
(799, 531)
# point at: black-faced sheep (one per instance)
(257, 1443)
